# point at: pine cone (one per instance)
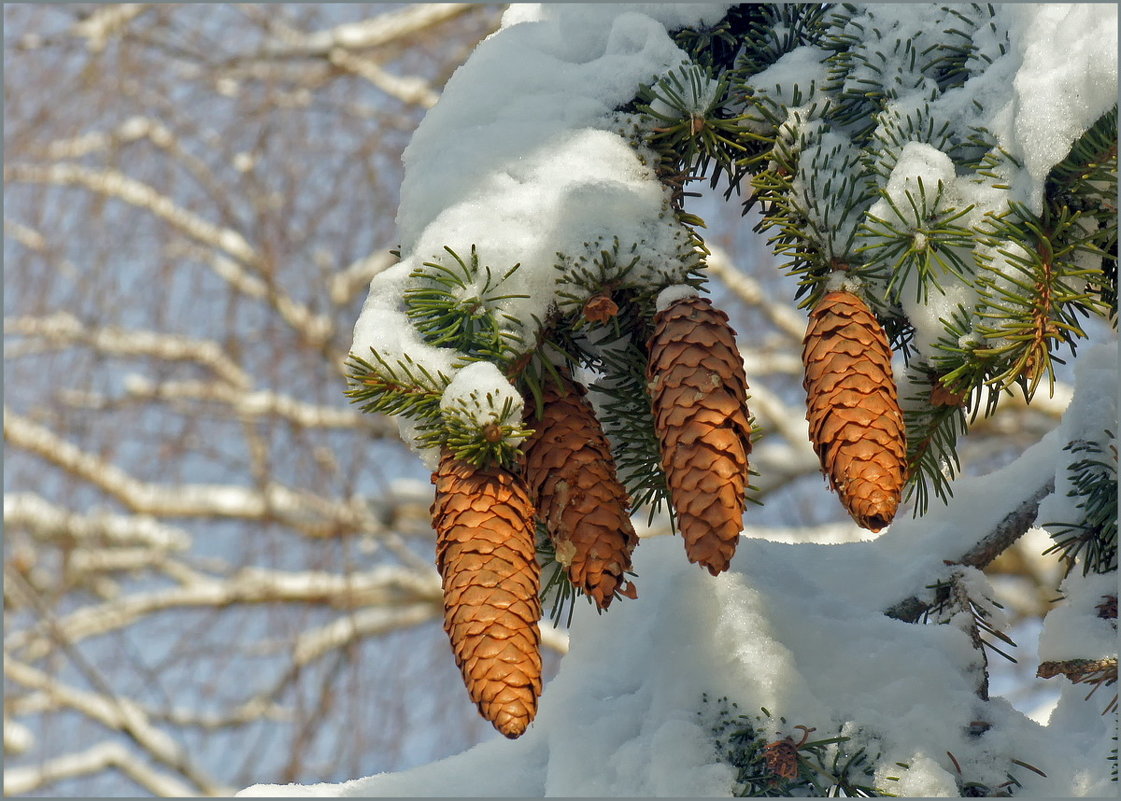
(699, 395)
(486, 556)
(571, 476)
(856, 425)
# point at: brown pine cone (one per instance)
(571, 476)
(486, 555)
(699, 395)
(856, 425)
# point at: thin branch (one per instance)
(115, 184)
(261, 404)
(47, 522)
(94, 760)
(1095, 672)
(1011, 527)
(373, 32)
(354, 278)
(113, 712)
(750, 291)
(304, 511)
(314, 328)
(409, 90)
(63, 329)
(386, 586)
(106, 22)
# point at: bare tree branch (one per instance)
(750, 291)
(50, 523)
(410, 90)
(305, 511)
(114, 713)
(115, 184)
(62, 329)
(95, 759)
(373, 32)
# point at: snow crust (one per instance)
(1073, 629)
(1067, 78)
(525, 158)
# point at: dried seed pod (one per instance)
(486, 556)
(699, 395)
(856, 425)
(571, 475)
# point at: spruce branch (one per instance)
(933, 430)
(775, 30)
(407, 388)
(922, 241)
(1033, 292)
(692, 128)
(1095, 672)
(480, 431)
(592, 273)
(458, 306)
(766, 767)
(624, 409)
(994, 542)
(1093, 480)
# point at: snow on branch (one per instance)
(63, 329)
(1010, 528)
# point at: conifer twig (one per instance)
(1000, 537)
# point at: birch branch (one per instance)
(316, 329)
(373, 32)
(47, 522)
(409, 90)
(312, 514)
(751, 292)
(132, 130)
(63, 329)
(387, 586)
(115, 184)
(348, 282)
(94, 760)
(106, 22)
(116, 713)
(260, 404)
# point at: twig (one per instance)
(1006, 532)
(304, 511)
(94, 760)
(62, 329)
